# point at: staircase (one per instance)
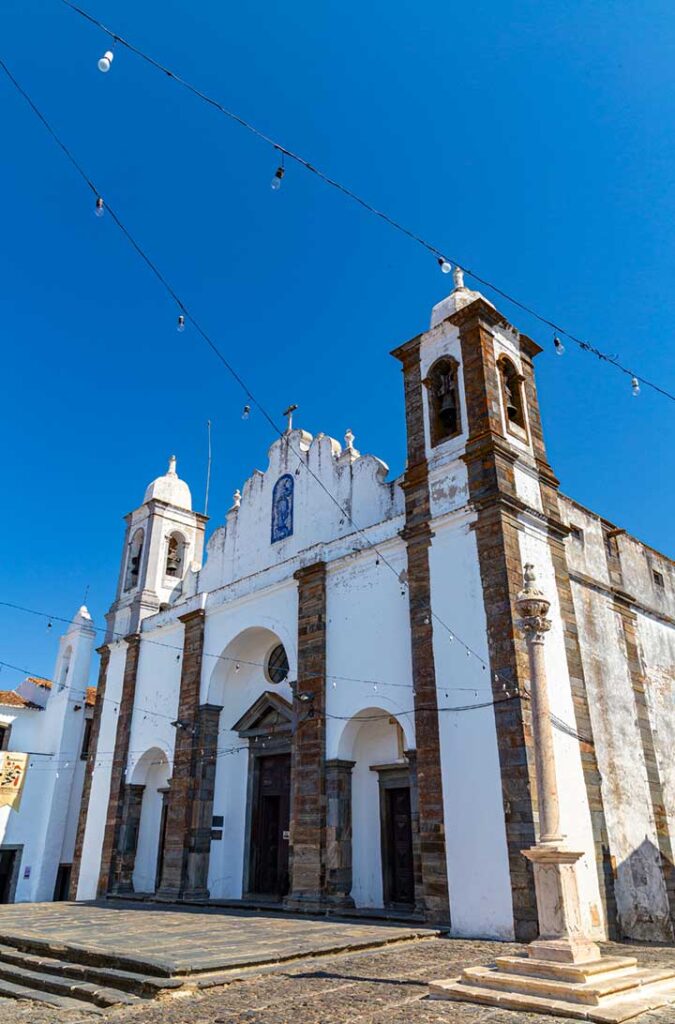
(74, 979)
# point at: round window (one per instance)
(277, 665)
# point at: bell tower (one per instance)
(163, 543)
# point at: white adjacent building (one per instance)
(331, 707)
(50, 721)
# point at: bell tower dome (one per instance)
(164, 541)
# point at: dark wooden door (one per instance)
(7, 868)
(399, 875)
(161, 844)
(62, 884)
(269, 826)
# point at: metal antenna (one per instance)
(208, 469)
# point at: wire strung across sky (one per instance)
(441, 257)
(507, 685)
(283, 435)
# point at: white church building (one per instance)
(330, 707)
(50, 721)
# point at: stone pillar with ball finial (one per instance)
(561, 935)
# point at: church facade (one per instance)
(330, 708)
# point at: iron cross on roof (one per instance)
(289, 412)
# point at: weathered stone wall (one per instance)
(627, 634)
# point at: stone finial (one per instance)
(236, 499)
(349, 452)
(172, 465)
(532, 607)
(458, 277)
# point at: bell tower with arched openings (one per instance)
(163, 543)
(479, 492)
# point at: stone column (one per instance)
(104, 652)
(308, 766)
(183, 783)
(339, 832)
(561, 933)
(199, 846)
(119, 764)
(124, 857)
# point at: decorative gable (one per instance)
(270, 714)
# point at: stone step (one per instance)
(591, 993)
(90, 954)
(590, 971)
(140, 984)
(10, 990)
(617, 1011)
(83, 991)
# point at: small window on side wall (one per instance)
(512, 395)
(5, 733)
(444, 410)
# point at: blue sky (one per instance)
(531, 140)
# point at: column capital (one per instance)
(532, 607)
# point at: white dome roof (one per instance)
(170, 488)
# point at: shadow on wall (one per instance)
(643, 883)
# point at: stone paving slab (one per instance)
(165, 939)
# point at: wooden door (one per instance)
(399, 880)
(7, 869)
(270, 826)
(161, 843)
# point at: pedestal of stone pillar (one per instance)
(561, 931)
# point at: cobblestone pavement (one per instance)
(385, 986)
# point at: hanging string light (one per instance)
(558, 345)
(104, 65)
(275, 184)
(105, 61)
(635, 386)
(100, 207)
(180, 323)
(246, 412)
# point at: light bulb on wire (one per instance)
(180, 323)
(558, 345)
(635, 385)
(246, 412)
(444, 265)
(275, 184)
(100, 207)
(105, 61)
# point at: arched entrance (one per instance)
(151, 773)
(385, 838)
(251, 807)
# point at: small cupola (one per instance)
(459, 296)
(170, 488)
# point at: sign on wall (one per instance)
(12, 777)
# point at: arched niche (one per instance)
(152, 772)
(134, 557)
